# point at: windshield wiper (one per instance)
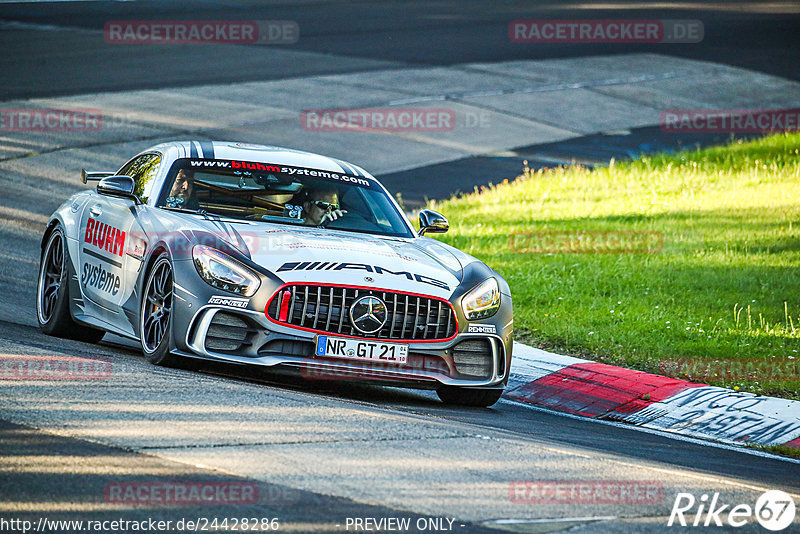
(281, 219)
(202, 212)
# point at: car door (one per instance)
(112, 242)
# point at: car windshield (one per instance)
(282, 194)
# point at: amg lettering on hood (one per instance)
(105, 237)
(338, 266)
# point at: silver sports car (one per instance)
(268, 256)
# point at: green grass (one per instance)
(725, 285)
(783, 450)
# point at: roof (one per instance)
(230, 150)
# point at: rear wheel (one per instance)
(52, 294)
(155, 324)
(469, 396)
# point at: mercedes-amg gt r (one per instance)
(268, 256)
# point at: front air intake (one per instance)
(473, 358)
(229, 332)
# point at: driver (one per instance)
(321, 206)
(183, 194)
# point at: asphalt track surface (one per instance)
(759, 36)
(319, 452)
(345, 37)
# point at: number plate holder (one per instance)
(361, 349)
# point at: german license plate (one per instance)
(359, 349)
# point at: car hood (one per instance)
(309, 255)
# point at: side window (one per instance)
(143, 170)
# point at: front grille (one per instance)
(229, 333)
(473, 358)
(326, 309)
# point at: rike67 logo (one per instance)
(774, 510)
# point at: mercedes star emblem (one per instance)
(368, 314)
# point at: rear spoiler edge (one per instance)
(94, 175)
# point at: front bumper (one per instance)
(203, 329)
(248, 337)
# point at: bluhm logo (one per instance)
(104, 236)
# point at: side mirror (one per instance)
(118, 186)
(433, 222)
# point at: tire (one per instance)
(52, 293)
(155, 315)
(469, 396)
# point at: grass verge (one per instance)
(684, 264)
(782, 450)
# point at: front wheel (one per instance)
(52, 294)
(469, 396)
(155, 324)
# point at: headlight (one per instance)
(223, 272)
(483, 301)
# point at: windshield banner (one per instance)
(288, 170)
